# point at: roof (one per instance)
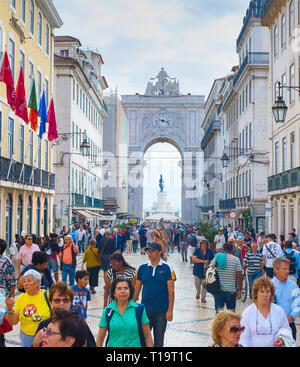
(64, 39)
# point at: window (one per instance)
(29, 214)
(23, 11)
(283, 83)
(73, 89)
(12, 4)
(283, 30)
(47, 39)
(11, 56)
(246, 99)
(64, 53)
(298, 11)
(46, 164)
(276, 40)
(47, 92)
(292, 83)
(246, 183)
(39, 29)
(10, 138)
(284, 154)
(31, 17)
(1, 44)
(30, 148)
(246, 138)
(39, 86)
(21, 143)
(39, 154)
(250, 91)
(292, 149)
(77, 94)
(291, 17)
(276, 156)
(22, 61)
(73, 137)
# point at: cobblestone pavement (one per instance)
(192, 319)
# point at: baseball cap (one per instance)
(154, 246)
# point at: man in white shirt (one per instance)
(219, 241)
(80, 235)
(271, 251)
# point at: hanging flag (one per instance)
(33, 114)
(52, 130)
(6, 77)
(21, 104)
(43, 115)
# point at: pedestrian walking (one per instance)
(254, 263)
(226, 329)
(201, 260)
(157, 279)
(263, 319)
(25, 254)
(271, 250)
(81, 294)
(125, 321)
(287, 294)
(219, 241)
(52, 250)
(183, 247)
(68, 260)
(230, 276)
(294, 259)
(92, 260)
(106, 248)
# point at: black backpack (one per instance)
(293, 261)
(193, 241)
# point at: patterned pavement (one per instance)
(192, 319)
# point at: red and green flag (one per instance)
(33, 114)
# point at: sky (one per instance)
(194, 40)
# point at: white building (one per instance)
(80, 110)
(245, 127)
(283, 19)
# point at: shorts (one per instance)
(143, 244)
(53, 265)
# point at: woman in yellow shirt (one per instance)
(91, 258)
(30, 309)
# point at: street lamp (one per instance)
(85, 147)
(225, 160)
(280, 108)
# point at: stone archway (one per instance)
(164, 114)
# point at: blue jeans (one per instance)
(251, 278)
(225, 298)
(80, 246)
(68, 270)
(26, 340)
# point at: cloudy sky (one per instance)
(194, 40)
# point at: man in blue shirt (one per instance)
(287, 294)
(294, 258)
(157, 279)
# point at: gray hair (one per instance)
(279, 260)
(33, 273)
(240, 238)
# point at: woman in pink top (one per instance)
(24, 256)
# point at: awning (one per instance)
(83, 213)
(92, 213)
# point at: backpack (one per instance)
(293, 266)
(211, 281)
(138, 313)
(193, 241)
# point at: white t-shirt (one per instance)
(271, 254)
(219, 245)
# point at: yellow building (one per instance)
(27, 186)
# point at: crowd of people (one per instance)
(52, 312)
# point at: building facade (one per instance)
(80, 110)
(164, 114)
(212, 147)
(27, 182)
(116, 148)
(245, 120)
(283, 19)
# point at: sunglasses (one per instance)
(59, 300)
(236, 329)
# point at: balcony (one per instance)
(284, 180)
(87, 201)
(227, 204)
(17, 172)
(214, 125)
(253, 59)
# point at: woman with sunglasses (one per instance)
(61, 298)
(226, 329)
(263, 319)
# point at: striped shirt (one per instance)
(128, 273)
(227, 276)
(7, 274)
(25, 253)
(253, 262)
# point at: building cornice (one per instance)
(271, 11)
(50, 12)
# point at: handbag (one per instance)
(6, 326)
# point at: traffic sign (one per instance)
(210, 212)
(233, 214)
